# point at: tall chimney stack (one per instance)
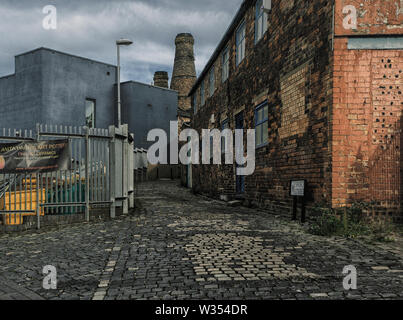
(161, 79)
(184, 72)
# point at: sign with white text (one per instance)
(298, 188)
(32, 156)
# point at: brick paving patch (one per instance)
(181, 246)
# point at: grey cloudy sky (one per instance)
(90, 28)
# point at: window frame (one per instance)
(94, 101)
(225, 64)
(239, 41)
(223, 144)
(195, 103)
(261, 122)
(260, 14)
(211, 81)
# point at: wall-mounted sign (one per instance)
(297, 188)
(32, 156)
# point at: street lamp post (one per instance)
(121, 42)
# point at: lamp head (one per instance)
(124, 42)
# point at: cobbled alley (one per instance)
(182, 246)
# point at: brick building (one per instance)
(325, 100)
(183, 79)
(184, 75)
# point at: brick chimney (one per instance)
(161, 79)
(184, 72)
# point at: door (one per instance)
(240, 180)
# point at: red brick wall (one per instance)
(334, 117)
(374, 17)
(367, 111)
(290, 68)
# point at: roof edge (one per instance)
(221, 45)
(66, 54)
(7, 76)
(147, 85)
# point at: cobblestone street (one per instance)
(181, 246)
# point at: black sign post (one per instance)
(297, 191)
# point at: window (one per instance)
(240, 43)
(224, 125)
(90, 113)
(202, 96)
(225, 64)
(195, 103)
(260, 21)
(262, 124)
(212, 82)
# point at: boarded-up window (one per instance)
(294, 120)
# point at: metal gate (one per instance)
(140, 165)
(95, 179)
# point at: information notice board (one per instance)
(35, 156)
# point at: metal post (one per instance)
(294, 208)
(131, 171)
(121, 42)
(87, 174)
(118, 85)
(112, 171)
(125, 167)
(38, 207)
(303, 210)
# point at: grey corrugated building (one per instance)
(56, 88)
